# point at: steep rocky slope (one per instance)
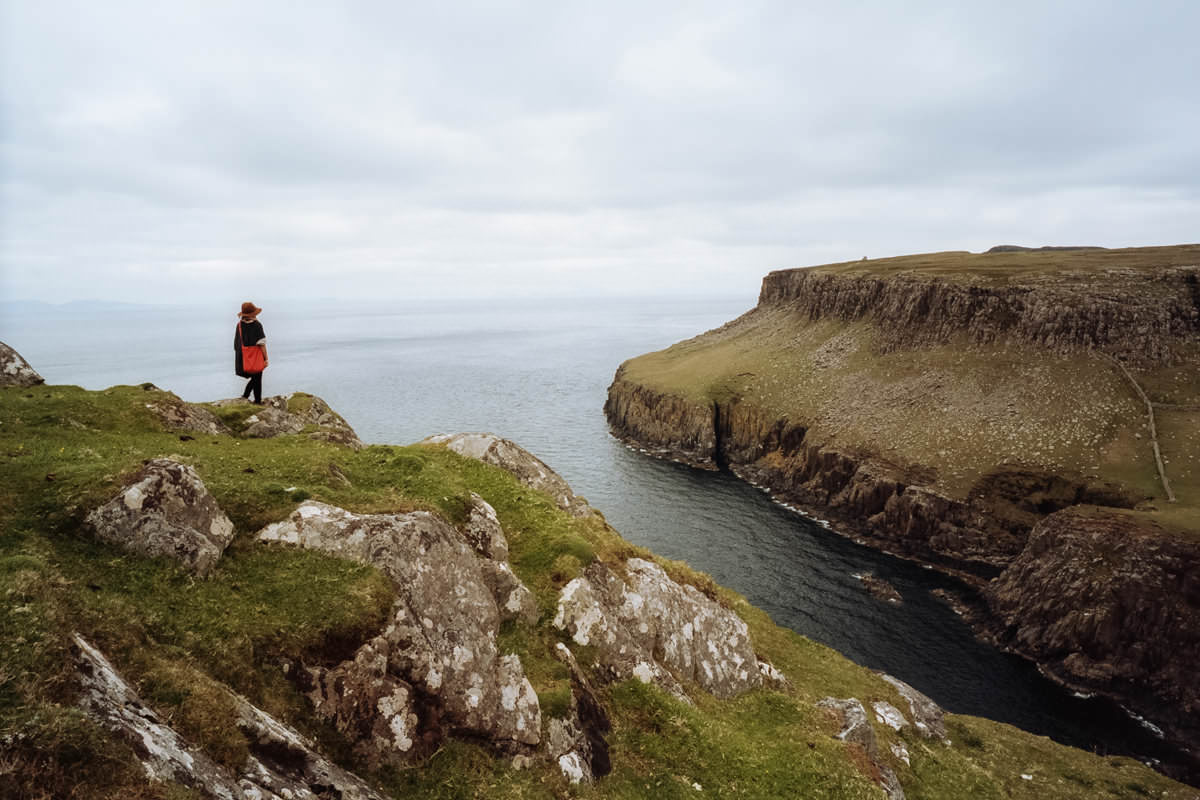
(412, 622)
(940, 406)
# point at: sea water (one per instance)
(537, 372)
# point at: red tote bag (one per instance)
(253, 360)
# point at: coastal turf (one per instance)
(182, 640)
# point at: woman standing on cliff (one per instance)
(250, 350)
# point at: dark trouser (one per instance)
(255, 385)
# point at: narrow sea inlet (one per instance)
(536, 372)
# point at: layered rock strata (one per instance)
(1145, 316)
(437, 663)
(165, 511)
(1142, 316)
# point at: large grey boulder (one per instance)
(441, 639)
(166, 511)
(15, 370)
(654, 629)
(528, 468)
(282, 764)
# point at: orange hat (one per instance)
(250, 310)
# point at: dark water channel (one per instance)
(537, 372)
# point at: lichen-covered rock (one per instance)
(484, 534)
(373, 708)
(856, 729)
(927, 715)
(483, 531)
(284, 415)
(576, 742)
(442, 636)
(657, 630)
(889, 715)
(282, 763)
(166, 511)
(176, 415)
(15, 370)
(513, 598)
(528, 468)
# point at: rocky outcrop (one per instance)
(282, 763)
(880, 588)
(15, 370)
(484, 534)
(166, 511)
(928, 717)
(649, 627)
(856, 730)
(437, 663)
(528, 468)
(176, 415)
(576, 742)
(380, 713)
(286, 415)
(1109, 602)
(1145, 316)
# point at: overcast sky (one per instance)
(192, 152)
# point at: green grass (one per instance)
(999, 268)
(182, 640)
(954, 412)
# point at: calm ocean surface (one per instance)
(537, 373)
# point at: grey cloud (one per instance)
(575, 144)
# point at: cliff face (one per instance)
(886, 503)
(1141, 316)
(1105, 601)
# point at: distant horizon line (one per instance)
(378, 304)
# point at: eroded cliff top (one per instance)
(1093, 266)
